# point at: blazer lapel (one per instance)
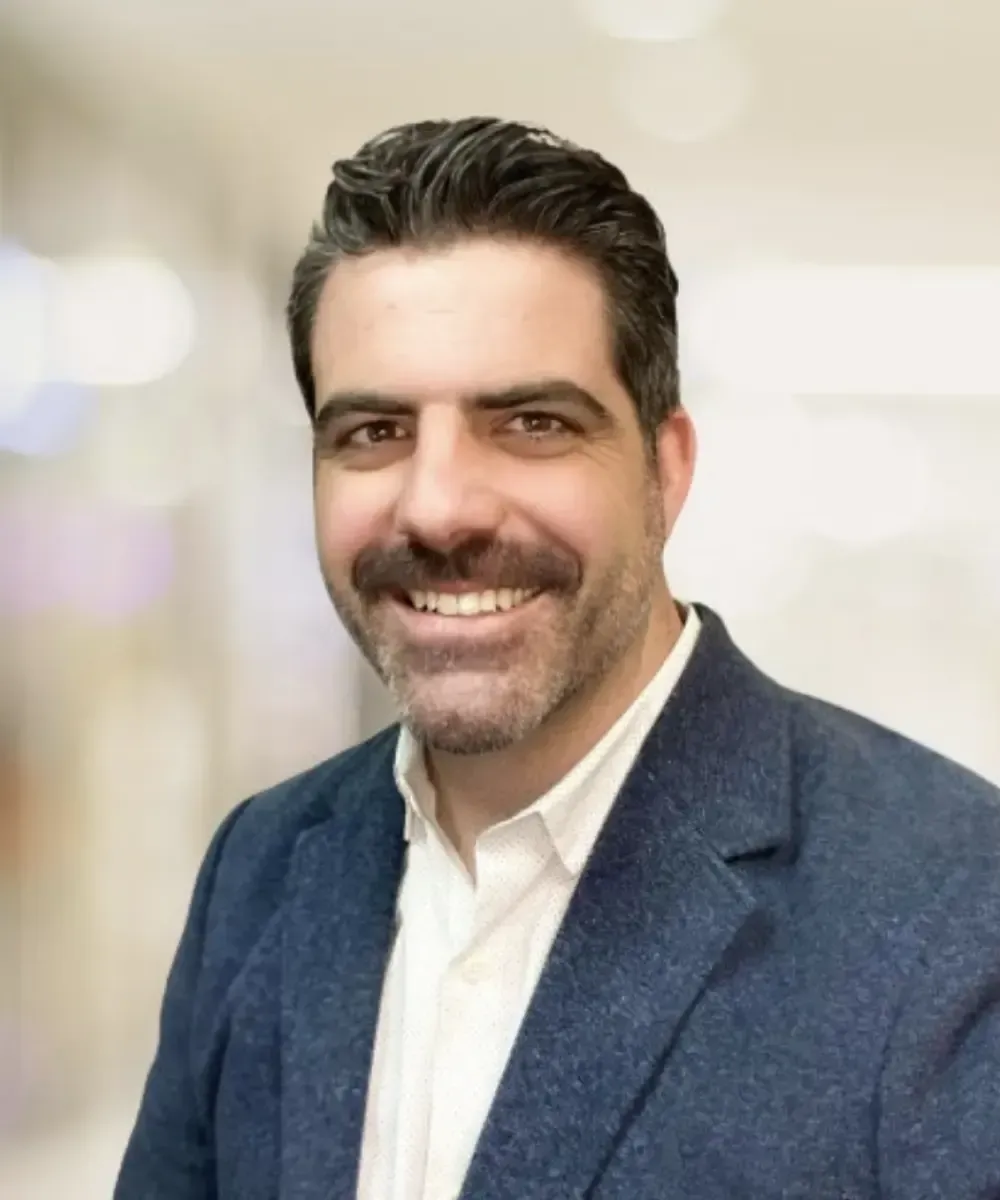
(338, 932)
(654, 914)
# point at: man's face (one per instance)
(490, 527)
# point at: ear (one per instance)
(677, 448)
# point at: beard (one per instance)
(479, 696)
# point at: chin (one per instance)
(465, 740)
(480, 722)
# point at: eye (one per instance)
(372, 433)
(539, 424)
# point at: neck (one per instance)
(469, 798)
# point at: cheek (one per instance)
(588, 514)
(349, 515)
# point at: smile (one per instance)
(451, 619)
(470, 604)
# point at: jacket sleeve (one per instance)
(939, 1128)
(170, 1153)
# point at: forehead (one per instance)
(480, 314)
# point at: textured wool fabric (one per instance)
(779, 976)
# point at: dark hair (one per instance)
(434, 182)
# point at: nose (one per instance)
(447, 497)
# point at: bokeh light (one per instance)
(49, 422)
(122, 320)
(92, 320)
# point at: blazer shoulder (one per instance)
(282, 812)
(891, 799)
(254, 845)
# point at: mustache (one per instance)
(414, 567)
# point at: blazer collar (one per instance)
(721, 750)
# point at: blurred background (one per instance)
(829, 175)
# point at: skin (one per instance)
(471, 432)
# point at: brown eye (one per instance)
(369, 436)
(539, 424)
(372, 433)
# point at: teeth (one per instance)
(470, 604)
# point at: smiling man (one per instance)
(609, 913)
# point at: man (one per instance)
(611, 914)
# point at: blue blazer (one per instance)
(779, 977)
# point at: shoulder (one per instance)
(250, 853)
(895, 815)
(270, 822)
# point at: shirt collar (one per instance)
(574, 809)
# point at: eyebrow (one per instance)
(338, 405)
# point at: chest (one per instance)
(757, 1096)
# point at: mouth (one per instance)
(466, 604)
(452, 616)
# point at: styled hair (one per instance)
(432, 183)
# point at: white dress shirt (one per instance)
(468, 953)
